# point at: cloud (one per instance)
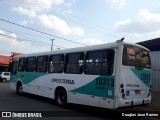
(69, 11)
(55, 23)
(64, 12)
(92, 41)
(11, 39)
(24, 23)
(39, 5)
(58, 2)
(70, 2)
(2, 32)
(1, 35)
(146, 22)
(49, 22)
(67, 3)
(32, 7)
(118, 3)
(23, 11)
(8, 38)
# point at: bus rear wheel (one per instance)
(61, 97)
(19, 88)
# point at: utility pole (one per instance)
(52, 44)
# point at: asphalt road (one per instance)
(10, 101)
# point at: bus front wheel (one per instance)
(61, 97)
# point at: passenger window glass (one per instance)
(42, 63)
(74, 63)
(31, 64)
(56, 63)
(22, 62)
(99, 62)
(14, 67)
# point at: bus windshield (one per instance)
(136, 56)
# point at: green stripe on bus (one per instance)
(26, 77)
(102, 86)
(143, 75)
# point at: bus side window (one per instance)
(14, 66)
(56, 63)
(74, 63)
(99, 62)
(42, 63)
(108, 62)
(21, 66)
(93, 62)
(30, 64)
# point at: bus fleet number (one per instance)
(145, 77)
(105, 82)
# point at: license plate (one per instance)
(137, 92)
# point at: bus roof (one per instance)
(72, 50)
(78, 49)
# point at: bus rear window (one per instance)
(136, 56)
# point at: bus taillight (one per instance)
(149, 93)
(122, 91)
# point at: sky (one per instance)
(28, 26)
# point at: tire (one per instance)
(61, 97)
(19, 89)
(4, 80)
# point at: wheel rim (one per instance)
(61, 99)
(20, 89)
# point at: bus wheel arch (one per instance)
(19, 88)
(61, 96)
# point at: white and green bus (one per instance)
(108, 75)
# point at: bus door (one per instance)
(13, 69)
(30, 75)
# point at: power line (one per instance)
(40, 31)
(39, 44)
(85, 25)
(26, 36)
(90, 25)
(31, 39)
